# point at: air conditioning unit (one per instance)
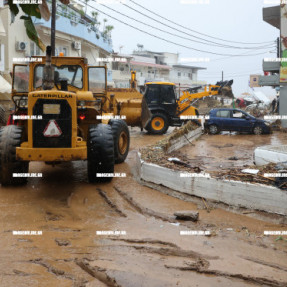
(76, 45)
(21, 46)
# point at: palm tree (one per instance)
(105, 21)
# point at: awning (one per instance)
(5, 87)
(2, 30)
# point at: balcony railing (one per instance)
(81, 25)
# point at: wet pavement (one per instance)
(218, 151)
(150, 251)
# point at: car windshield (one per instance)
(72, 73)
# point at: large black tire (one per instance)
(121, 136)
(100, 152)
(10, 138)
(158, 124)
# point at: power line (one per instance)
(232, 73)
(244, 43)
(168, 41)
(210, 43)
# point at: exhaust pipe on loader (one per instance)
(48, 71)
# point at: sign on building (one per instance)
(254, 81)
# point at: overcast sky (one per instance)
(230, 20)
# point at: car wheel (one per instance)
(257, 130)
(213, 129)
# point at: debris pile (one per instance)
(254, 174)
(227, 92)
(157, 153)
(258, 111)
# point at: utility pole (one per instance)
(222, 76)
(53, 26)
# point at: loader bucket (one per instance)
(146, 114)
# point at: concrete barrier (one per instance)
(178, 143)
(236, 193)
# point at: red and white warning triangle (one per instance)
(52, 129)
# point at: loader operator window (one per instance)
(21, 78)
(97, 80)
(167, 94)
(72, 73)
(152, 94)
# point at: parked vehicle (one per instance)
(235, 120)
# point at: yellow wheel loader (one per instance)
(63, 112)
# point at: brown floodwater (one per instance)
(151, 252)
(217, 151)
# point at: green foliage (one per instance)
(29, 10)
(31, 32)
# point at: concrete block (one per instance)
(235, 193)
(184, 140)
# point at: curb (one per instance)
(236, 193)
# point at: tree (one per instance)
(37, 10)
(105, 21)
(108, 29)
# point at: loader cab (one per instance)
(161, 96)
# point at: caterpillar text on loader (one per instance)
(167, 109)
(63, 113)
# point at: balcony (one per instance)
(70, 22)
(272, 80)
(271, 15)
(271, 66)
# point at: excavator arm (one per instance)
(221, 88)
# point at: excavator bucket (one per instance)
(225, 89)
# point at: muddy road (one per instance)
(228, 150)
(149, 251)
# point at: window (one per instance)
(63, 50)
(238, 114)
(21, 78)
(34, 49)
(152, 94)
(167, 94)
(223, 114)
(72, 73)
(97, 80)
(179, 74)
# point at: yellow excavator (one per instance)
(168, 109)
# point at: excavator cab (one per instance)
(162, 103)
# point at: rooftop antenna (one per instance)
(140, 47)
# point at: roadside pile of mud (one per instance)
(157, 153)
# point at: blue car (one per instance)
(235, 120)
